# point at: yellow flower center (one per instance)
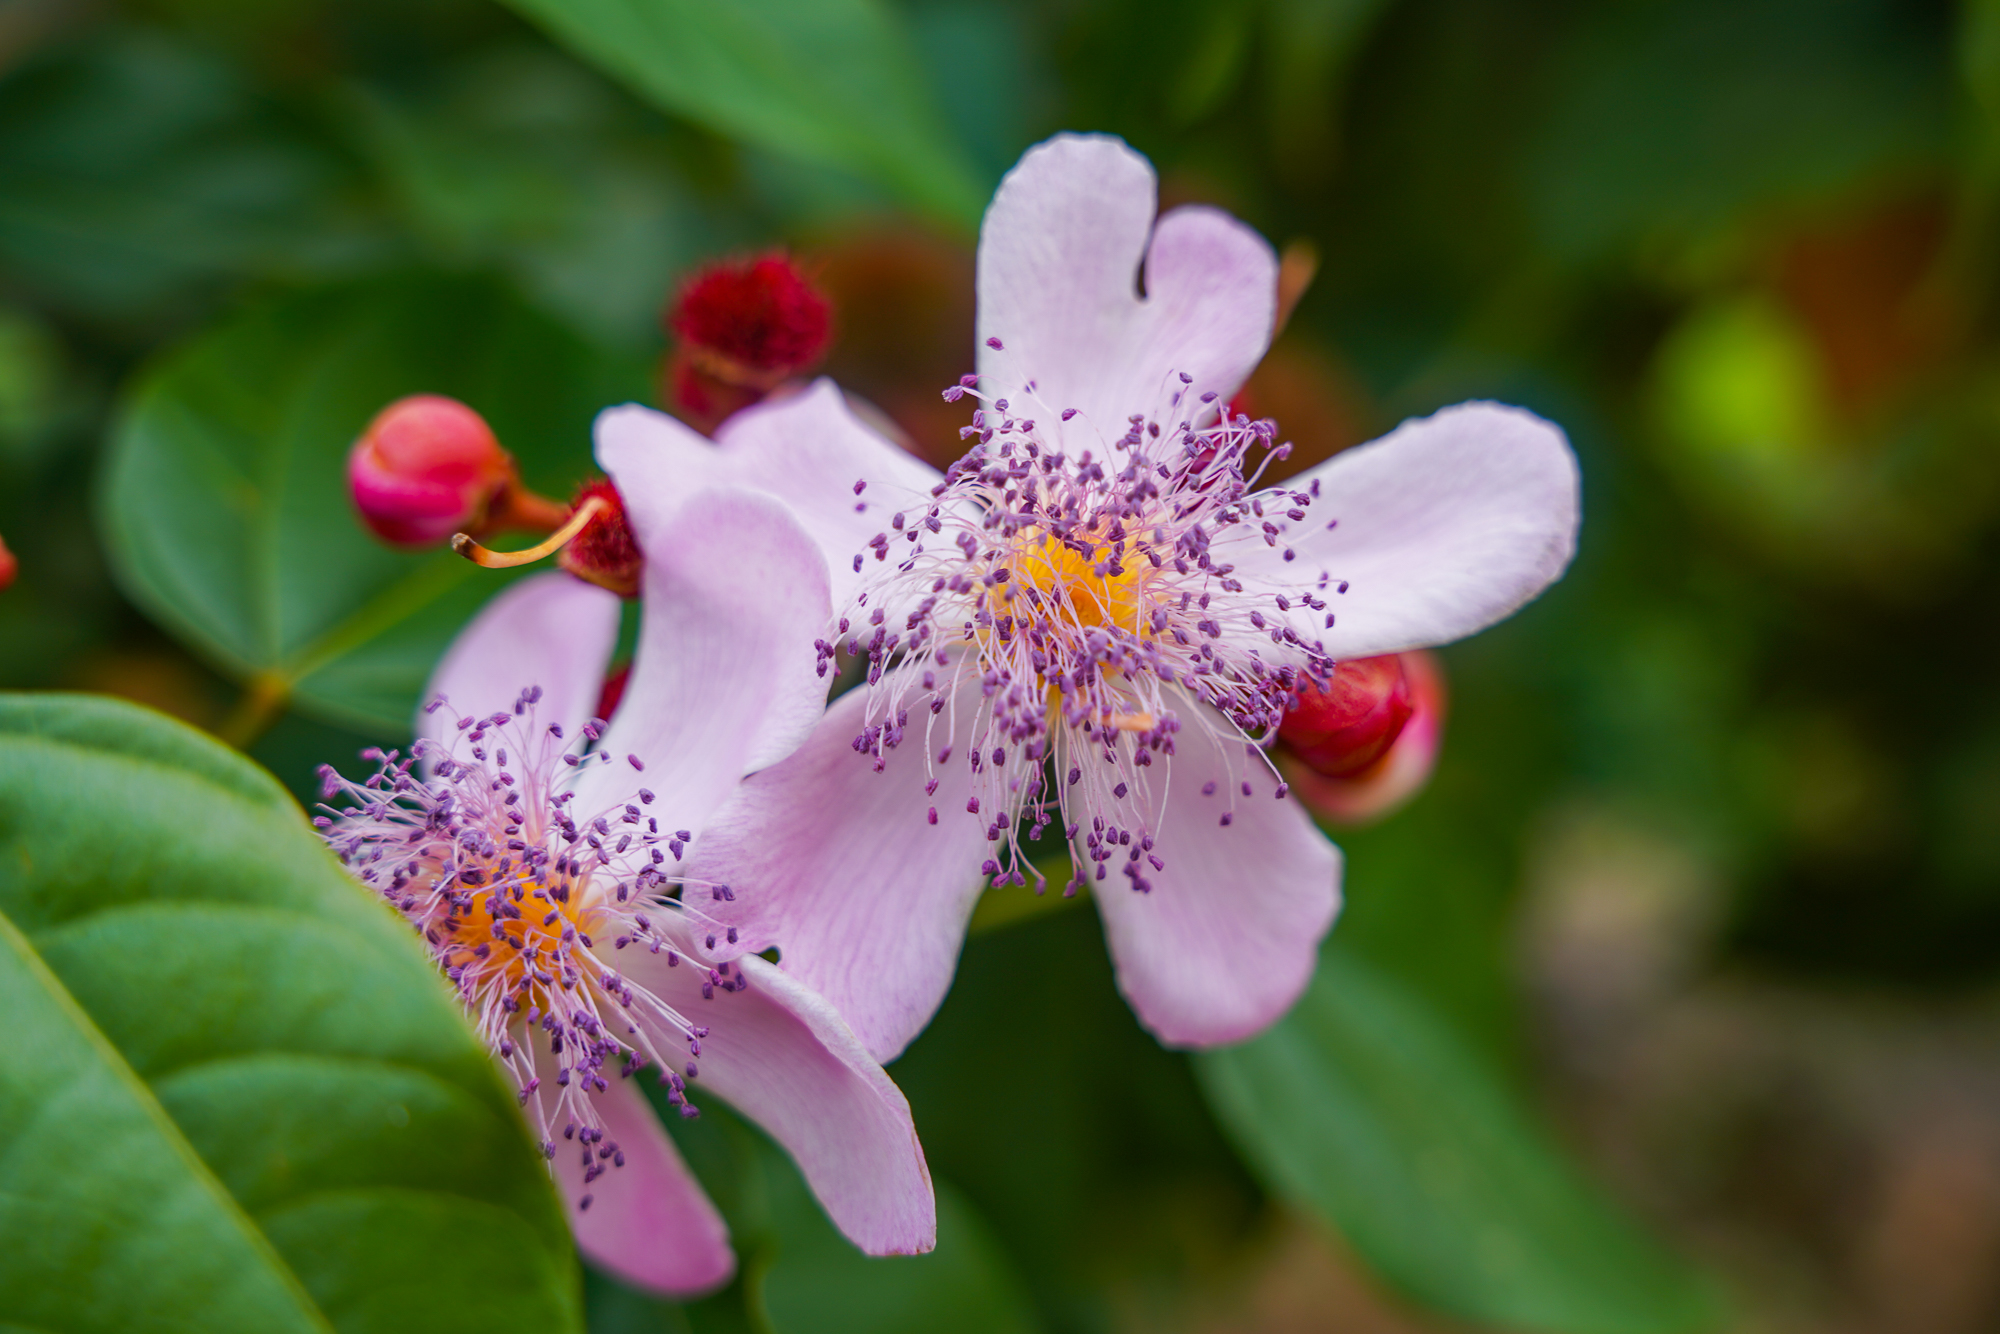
(1058, 579)
(1064, 587)
(532, 937)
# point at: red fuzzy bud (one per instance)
(702, 400)
(755, 321)
(1366, 744)
(9, 567)
(743, 327)
(425, 468)
(604, 552)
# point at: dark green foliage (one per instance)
(217, 488)
(228, 234)
(236, 1095)
(1362, 1105)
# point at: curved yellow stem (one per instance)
(463, 544)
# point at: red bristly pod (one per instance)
(741, 329)
(603, 551)
(1358, 749)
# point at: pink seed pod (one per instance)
(426, 467)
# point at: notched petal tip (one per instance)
(1061, 255)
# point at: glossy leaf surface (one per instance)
(835, 82)
(234, 1096)
(225, 497)
(1364, 1106)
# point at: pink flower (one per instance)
(1093, 622)
(545, 874)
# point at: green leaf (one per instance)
(1668, 123)
(805, 1278)
(1979, 56)
(234, 1095)
(1310, 46)
(1363, 1106)
(799, 1275)
(225, 504)
(136, 169)
(817, 1283)
(834, 82)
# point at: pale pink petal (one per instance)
(840, 867)
(1445, 525)
(1059, 286)
(549, 630)
(725, 679)
(811, 450)
(649, 1222)
(657, 463)
(783, 1057)
(1228, 934)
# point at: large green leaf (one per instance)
(1364, 1106)
(827, 81)
(817, 1283)
(234, 1096)
(800, 1276)
(225, 500)
(136, 168)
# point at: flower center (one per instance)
(1054, 582)
(1088, 594)
(514, 940)
(523, 904)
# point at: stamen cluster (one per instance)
(515, 894)
(1089, 596)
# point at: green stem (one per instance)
(262, 701)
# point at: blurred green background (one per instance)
(1669, 1006)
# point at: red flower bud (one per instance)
(1362, 747)
(1341, 730)
(753, 322)
(744, 327)
(700, 399)
(9, 567)
(425, 468)
(603, 551)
